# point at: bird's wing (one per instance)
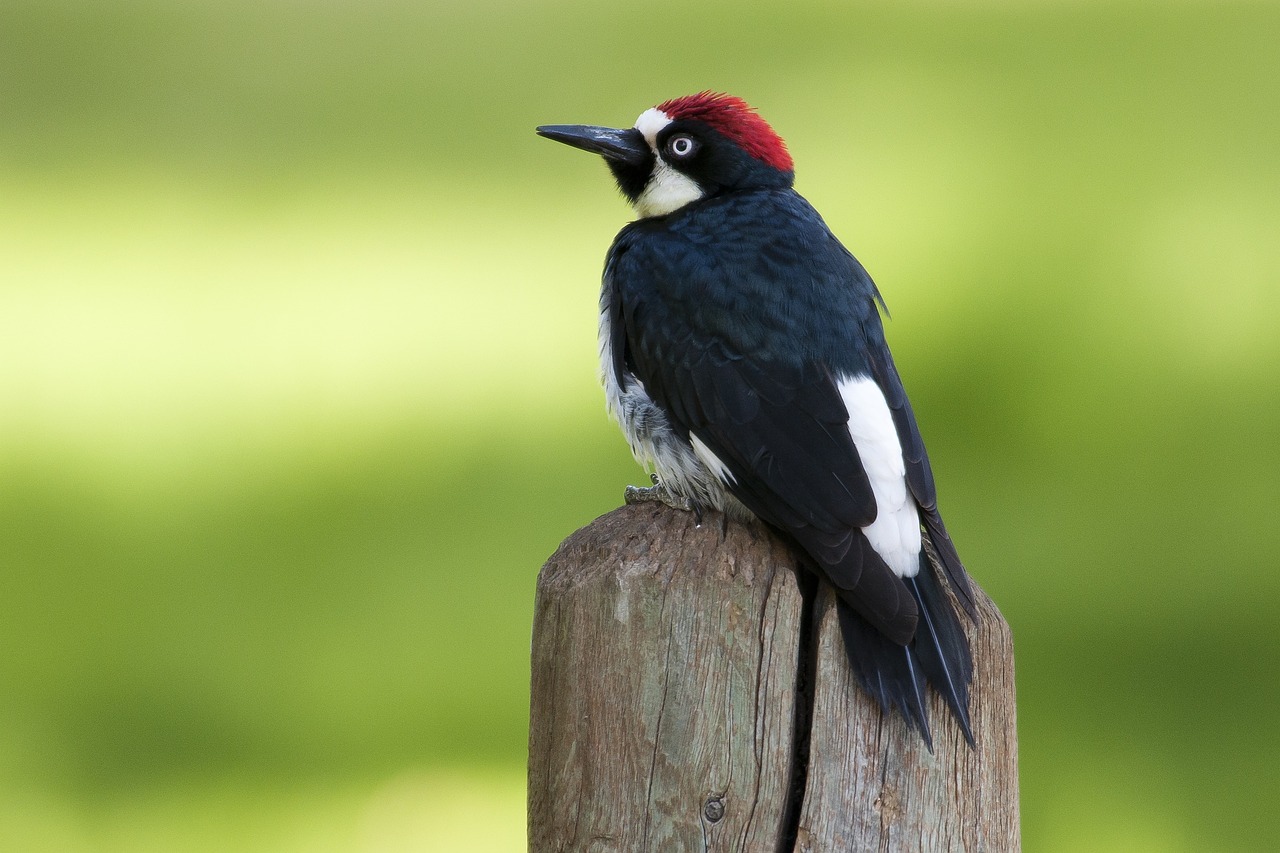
(777, 426)
(920, 474)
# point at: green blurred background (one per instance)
(297, 387)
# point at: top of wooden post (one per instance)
(685, 697)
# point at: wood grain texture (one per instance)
(663, 707)
(662, 687)
(872, 785)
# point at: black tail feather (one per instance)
(896, 676)
(946, 557)
(886, 670)
(941, 646)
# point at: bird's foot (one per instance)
(661, 494)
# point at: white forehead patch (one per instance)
(668, 190)
(650, 124)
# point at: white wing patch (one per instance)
(895, 534)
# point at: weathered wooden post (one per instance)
(685, 698)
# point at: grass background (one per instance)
(297, 387)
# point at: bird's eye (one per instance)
(681, 146)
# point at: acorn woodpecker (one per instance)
(742, 353)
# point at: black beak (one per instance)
(624, 146)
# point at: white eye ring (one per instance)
(681, 146)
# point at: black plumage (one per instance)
(732, 318)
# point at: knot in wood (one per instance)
(713, 809)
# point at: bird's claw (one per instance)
(661, 494)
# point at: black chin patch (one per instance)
(632, 177)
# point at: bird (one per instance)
(743, 354)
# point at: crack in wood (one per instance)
(802, 712)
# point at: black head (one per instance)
(684, 150)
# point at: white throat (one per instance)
(668, 190)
